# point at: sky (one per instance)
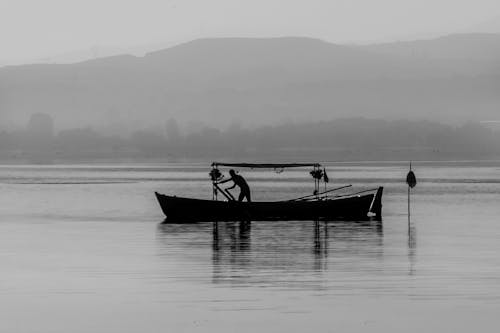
(55, 30)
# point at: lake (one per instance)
(83, 250)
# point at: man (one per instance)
(241, 183)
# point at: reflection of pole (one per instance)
(409, 209)
(317, 242)
(215, 231)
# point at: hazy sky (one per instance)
(33, 29)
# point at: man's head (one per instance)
(232, 172)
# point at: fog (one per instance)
(221, 74)
(453, 79)
(338, 140)
(58, 30)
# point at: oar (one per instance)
(226, 194)
(229, 194)
(311, 195)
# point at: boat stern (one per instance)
(376, 206)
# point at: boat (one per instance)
(318, 206)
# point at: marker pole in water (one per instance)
(411, 180)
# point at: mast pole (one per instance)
(214, 185)
(316, 183)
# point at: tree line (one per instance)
(355, 138)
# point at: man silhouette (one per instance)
(241, 183)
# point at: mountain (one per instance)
(263, 81)
(473, 47)
(467, 53)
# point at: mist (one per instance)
(55, 31)
(347, 139)
(257, 82)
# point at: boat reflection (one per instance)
(320, 249)
(276, 253)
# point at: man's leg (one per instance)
(241, 196)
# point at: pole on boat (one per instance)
(317, 175)
(318, 194)
(411, 180)
(316, 183)
(215, 176)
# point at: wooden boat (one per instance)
(319, 206)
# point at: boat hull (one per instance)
(185, 210)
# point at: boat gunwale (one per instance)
(342, 197)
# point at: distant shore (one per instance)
(322, 156)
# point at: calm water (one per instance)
(82, 250)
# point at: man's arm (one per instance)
(224, 181)
(230, 188)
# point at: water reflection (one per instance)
(288, 254)
(412, 247)
(320, 249)
(238, 234)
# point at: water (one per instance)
(82, 250)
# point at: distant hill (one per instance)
(473, 47)
(469, 54)
(259, 81)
